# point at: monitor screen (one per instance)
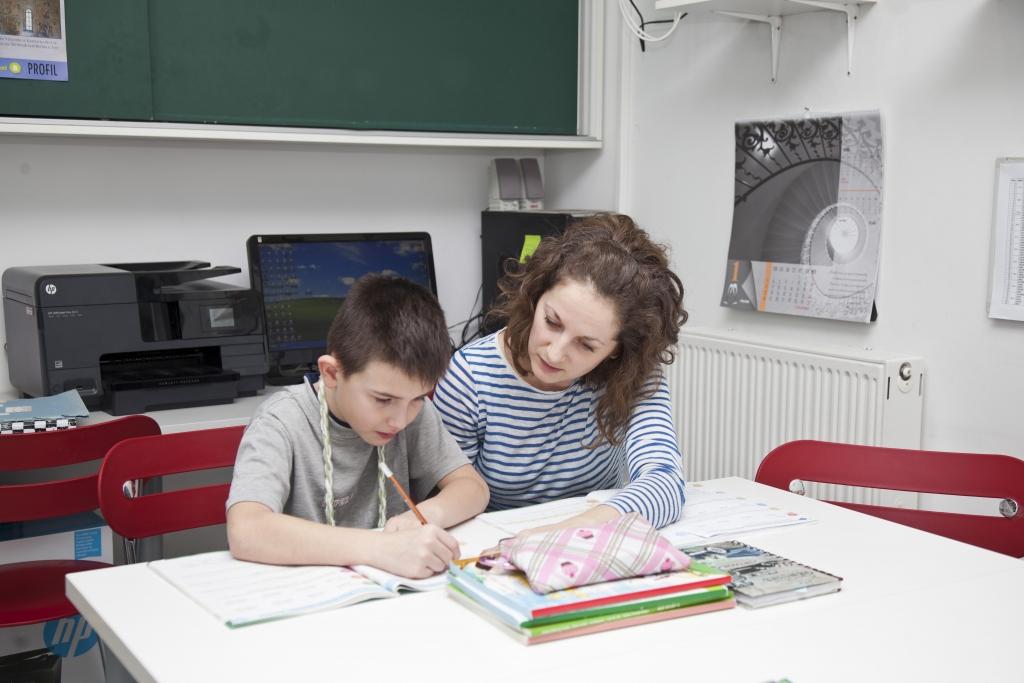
(303, 279)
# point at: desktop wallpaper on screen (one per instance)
(304, 283)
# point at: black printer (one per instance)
(133, 337)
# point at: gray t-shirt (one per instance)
(280, 462)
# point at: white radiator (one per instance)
(735, 398)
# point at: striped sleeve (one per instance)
(653, 461)
(458, 404)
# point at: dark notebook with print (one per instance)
(760, 578)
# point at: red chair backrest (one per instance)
(66, 496)
(964, 474)
(154, 456)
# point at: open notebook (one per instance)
(239, 593)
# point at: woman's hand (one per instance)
(595, 516)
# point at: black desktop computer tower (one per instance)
(502, 236)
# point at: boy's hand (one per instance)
(403, 522)
(416, 553)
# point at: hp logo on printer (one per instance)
(50, 288)
(69, 637)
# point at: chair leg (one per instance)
(131, 555)
(146, 549)
(131, 489)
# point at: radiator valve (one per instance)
(906, 372)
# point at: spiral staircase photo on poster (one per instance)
(807, 217)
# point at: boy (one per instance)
(386, 349)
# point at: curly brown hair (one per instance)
(618, 259)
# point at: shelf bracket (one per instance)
(774, 23)
(851, 10)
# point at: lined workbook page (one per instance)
(710, 512)
(239, 593)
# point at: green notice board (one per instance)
(108, 67)
(490, 66)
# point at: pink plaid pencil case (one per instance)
(620, 549)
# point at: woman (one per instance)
(570, 397)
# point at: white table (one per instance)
(914, 607)
(233, 414)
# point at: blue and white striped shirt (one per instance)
(528, 444)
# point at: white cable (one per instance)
(625, 9)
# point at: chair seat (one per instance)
(33, 592)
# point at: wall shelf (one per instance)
(770, 13)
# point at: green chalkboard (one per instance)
(489, 66)
(108, 67)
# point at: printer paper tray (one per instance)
(162, 388)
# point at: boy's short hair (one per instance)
(392, 320)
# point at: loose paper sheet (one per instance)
(1006, 299)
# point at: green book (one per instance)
(596, 620)
(627, 609)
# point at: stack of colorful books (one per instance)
(506, 599)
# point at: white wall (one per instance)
(946, 76)
(83, 200)
(592, 178)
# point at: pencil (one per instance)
(405, 496)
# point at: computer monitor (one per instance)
(303, 279)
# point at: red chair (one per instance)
(137, 516)
(962, 474)
(33, 592)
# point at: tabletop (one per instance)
(914, 606)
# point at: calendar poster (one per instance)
(807, 217)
